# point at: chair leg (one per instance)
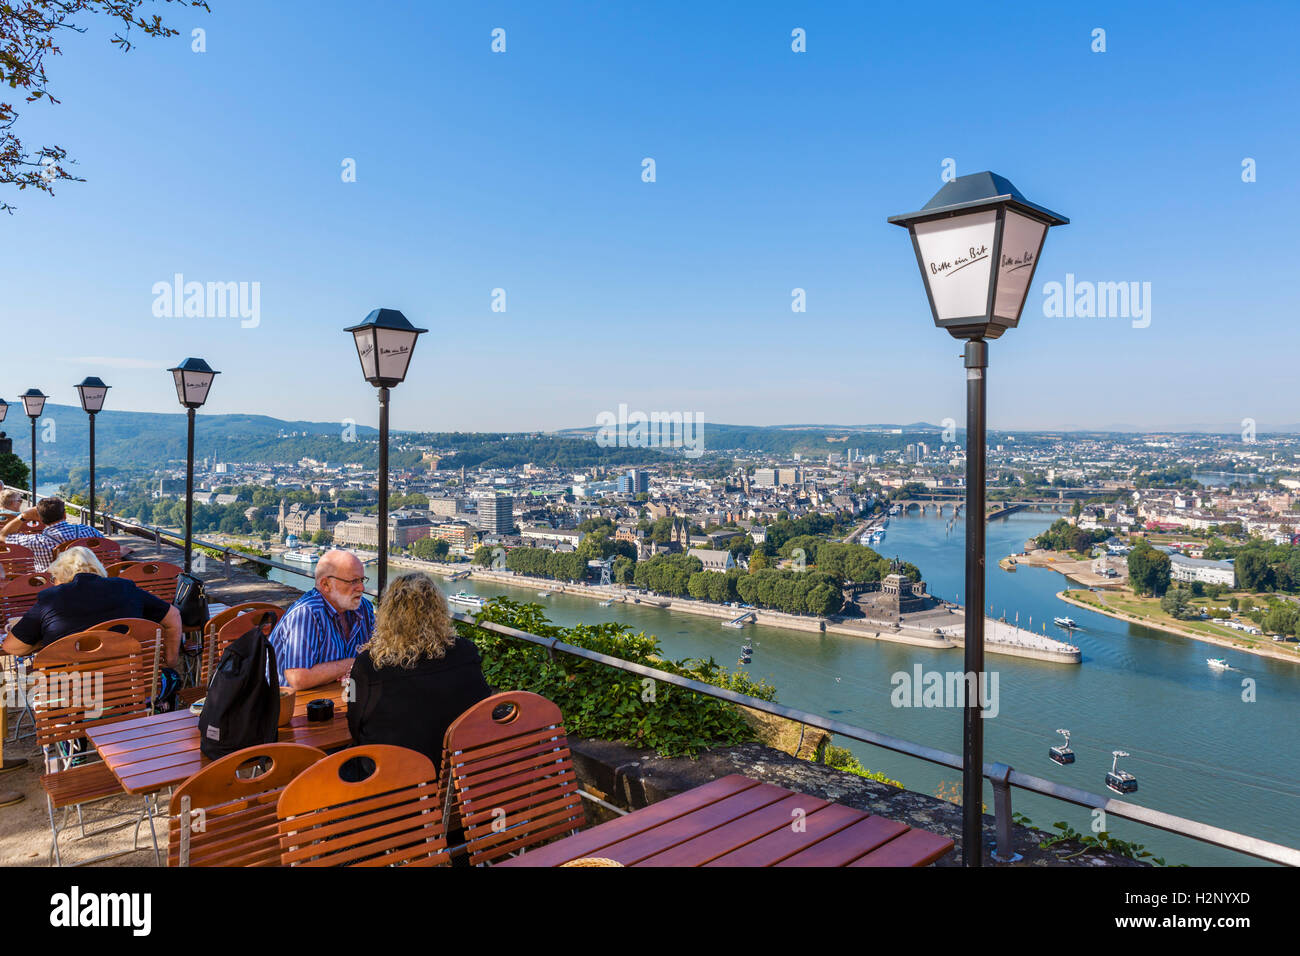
(54, 833)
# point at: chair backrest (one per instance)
(156, 577)
(18, 595)
(233, 629)
(392, 817)
(16, 559)
(507, 759)
(239, 826)
(218, 621)
(148, 633)
(115, 569)
(88, 679)
(106, 549)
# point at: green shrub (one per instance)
(606, 703)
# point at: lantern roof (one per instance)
(973, 191)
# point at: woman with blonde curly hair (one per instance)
(415, 675)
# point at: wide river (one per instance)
(1198, 749)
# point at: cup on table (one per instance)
(288, 699)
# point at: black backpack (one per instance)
(242, 708)
(191, 600)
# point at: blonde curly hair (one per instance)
(72, 562)
(412, 623)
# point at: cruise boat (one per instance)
(302, 556)
(1218, 663)
(1065, 622)
(465, 599)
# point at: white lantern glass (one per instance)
(395, 349)
(1022, 241)
(365, 340)
(957, 257)
(92, 398)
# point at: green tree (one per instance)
(1177, 603)
(483, 555)
(1148, 570)
(430, 549)
(12, 470)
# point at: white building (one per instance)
(1189, 570)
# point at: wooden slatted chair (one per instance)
(508, 773)
(86, 679)
(106, 549)
(16, 560)
(237, 825)
(115, 570)
(148, 633)
(17, 597)
(392, 817)
(156, 577)
(214, 644)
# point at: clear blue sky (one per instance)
(775, 170)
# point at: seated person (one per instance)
(82, 596)
(415, 676)
(317, 639)
(11, 504)
(58, 529)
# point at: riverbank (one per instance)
(1292, 655)
(948, 638)
(1074, 569)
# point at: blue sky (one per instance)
(775, 170)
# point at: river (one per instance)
(1197, 749)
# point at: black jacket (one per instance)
(413, 708)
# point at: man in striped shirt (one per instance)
(317, 639)
(58, 529)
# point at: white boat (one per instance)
(606, 603)
(302, 556)
(543, 593)
(1064, 622)
(1218, 663)
(465, 599)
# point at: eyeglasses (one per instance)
(350, 582)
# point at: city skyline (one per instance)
(477, 171)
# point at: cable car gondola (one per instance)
(1120, 781)
(1062, 754)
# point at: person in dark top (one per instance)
(82, 596)
(415, 676)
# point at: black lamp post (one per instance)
(977, 243)
(385, 341)
(92, 392)
(193, 379)
(34, 404)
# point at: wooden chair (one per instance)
(94, 677)
(391, 817)
(148, 633)
(237, 825)
(507, 769)
(215, 643)
(106, 549)
(17, 597)
(156, 577)
(16, 560)
(115, 570)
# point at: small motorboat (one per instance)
(1218, 663)
(543, 593)
(606, 603)
(1065, 622)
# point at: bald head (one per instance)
(341, 579)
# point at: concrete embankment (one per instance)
(870, 630)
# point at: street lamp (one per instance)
(193, 379)
(92, 392)
(385, 341)
(34, 404)
(977, 243)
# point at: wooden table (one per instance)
(737, 821)
(147, 754)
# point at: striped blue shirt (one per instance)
(310, 633)
(42, 545)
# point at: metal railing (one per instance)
(1001, 776)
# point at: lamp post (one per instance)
(193, 379)
(92, 392)
(977, 244)
(34, 404)
(385, 341)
